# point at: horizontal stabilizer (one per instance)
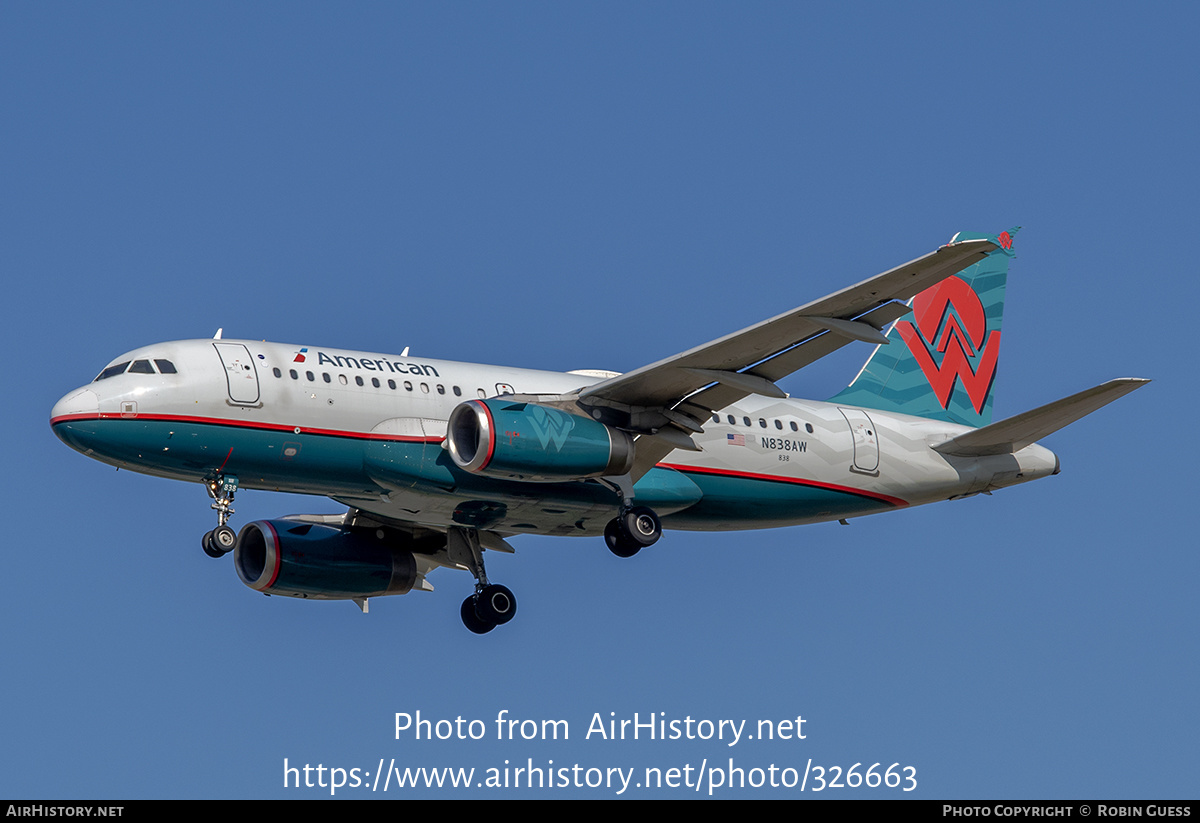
(1017, 432)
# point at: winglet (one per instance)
(1004, 239)
(1017, 432)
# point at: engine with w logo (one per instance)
(529, 441)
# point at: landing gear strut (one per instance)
(632, 530)
(491, 605)
(221, 540)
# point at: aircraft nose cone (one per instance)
(80, 401)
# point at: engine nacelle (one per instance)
(310, 560)
(527, 441)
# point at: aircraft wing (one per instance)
(667, 399)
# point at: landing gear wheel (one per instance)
(496, 605)
(224, 538)
(618, 543)
(491, 605)
(641, 525)
(471, 620)
(219, 542)
(207, 544)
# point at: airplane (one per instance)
(438, 461)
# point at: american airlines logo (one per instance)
(951, 322)
(367, 363)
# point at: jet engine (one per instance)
(319, 562)
(528, 441)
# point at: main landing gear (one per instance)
(221, 540)
(632, 530)
(491, 605)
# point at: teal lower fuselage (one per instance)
(351, 468)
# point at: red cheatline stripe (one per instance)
(278, 557)
(798, 481)
(491, 435)
(248, 424)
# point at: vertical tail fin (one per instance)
(941, 358)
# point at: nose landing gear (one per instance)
(221, 540)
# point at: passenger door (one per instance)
(241, 375)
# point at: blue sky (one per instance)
(569, 186)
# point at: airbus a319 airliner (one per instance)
(439, 461)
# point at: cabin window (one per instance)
(481, 392)
(457, 391)
(277, 372)
(293, 374)
(358, 380)
(746, 420)
(762, 423)
(425, 388)
(311, 377)
(732, 421)
(441, 389)
(392, 384)
(342, 379)
(325, 377)
(375, 382)
(808, 427)
(795, 428)
(716, 418)
(779, 424)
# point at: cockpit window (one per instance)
(137, 367)
(112, 371)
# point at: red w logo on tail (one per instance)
(961, 339)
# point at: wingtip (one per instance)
(1002, 241)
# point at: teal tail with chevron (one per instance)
(940, 361)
